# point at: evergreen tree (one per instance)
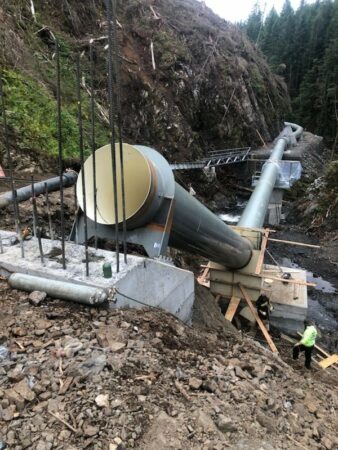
(254, 23)
(302, 46)
(269, 40)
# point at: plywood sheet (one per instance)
(327, 362)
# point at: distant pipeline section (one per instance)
(254, 214)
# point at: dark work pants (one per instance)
(308, 352)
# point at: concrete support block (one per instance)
(147, 281)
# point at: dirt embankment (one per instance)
(80, 378)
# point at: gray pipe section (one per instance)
(196, 229)
(25, 193)
(255, 211)
(59, 289)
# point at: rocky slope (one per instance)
(73, 378)
(209, 88)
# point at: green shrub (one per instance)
(31, 112)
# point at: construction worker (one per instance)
(307, 343)
(264, 307)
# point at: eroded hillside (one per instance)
(208, 86)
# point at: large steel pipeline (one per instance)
(150, 182)
(149, 185)
(196, 229)
(255, 211)
(25, 193)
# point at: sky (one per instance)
(237, 10)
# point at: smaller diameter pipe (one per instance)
(255, 211)
(78, 293)
(25, 193)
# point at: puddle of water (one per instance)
(321, 284)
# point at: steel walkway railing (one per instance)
(216, 158)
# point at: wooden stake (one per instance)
(294, 243)
(261, 138)
(259, 321)
(262, 253)
(152, 55)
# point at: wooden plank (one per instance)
(287, 338)
(260, 323)
(327, 362)
(294, 243)
(205, 271)
(232, 308)
(239, 228)
(202, 279)
(262, 253)
(301, 283)
(261, 138)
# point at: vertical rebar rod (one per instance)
(119, 128)
(36, 228)
(75, 199)
(93, 137)
(17, 222)
(112, 124)
(38, 235)
(59, 135)
(1, 246)
(83, 177)
(34, 210)
(51, 234)
(9, 156)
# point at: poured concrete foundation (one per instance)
(288, 299)
(151, 282)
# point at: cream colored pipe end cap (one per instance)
(137, 180)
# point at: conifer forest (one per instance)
(302, 46)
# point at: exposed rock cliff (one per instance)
(210, 87)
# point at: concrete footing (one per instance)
(288, 299)
(147, 281)
(274, 212)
